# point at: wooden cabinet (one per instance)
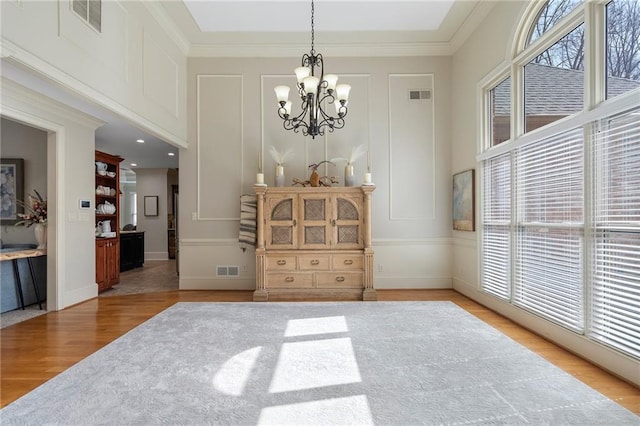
(314, 243)
(107, 263)
(107, 192)
(131, 250)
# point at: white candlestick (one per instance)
(260, 178)
(367, 178)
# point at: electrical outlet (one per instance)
(380, 268)
(194, 216)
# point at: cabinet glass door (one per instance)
(281, 229)
(315, 220)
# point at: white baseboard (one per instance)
(207, 283)
(156, 255)
(82, 294)
(412, 282)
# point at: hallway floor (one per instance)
(154, 276)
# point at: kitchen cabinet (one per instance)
(107, 193)
(314, 243)
(107, 263)
(131, 250)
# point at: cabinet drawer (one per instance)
(314, 262)
(347, 262)
(290, 280)
(340, 280)
(281, 263)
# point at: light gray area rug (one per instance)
(384, 363)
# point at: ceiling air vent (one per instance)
(415, 95)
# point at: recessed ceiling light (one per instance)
(134, 164)
(140, 141)
(171, 154)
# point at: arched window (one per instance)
(560, 233)
(550, 14)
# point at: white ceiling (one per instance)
(245, 27)
(330, 15)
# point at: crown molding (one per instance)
(248, 50)
(473, 20)
(168, 24)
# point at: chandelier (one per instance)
(314, 92)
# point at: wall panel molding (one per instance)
(412, 195)
(219, 129)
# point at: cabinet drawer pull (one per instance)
(315, 262)
(340, 279)
(348, 262)
(281, 262)
(289, 279)
(295, 222)
(333, 222)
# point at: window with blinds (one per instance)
(561, 204)
(615, 292)
(549, 262)
(496, 247)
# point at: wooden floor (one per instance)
(36, 350)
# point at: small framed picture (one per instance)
(464, 201)
(151, 205)
(11, 189)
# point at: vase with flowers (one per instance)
(280, 159)
(354, 155)
(35, 214)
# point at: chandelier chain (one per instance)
(313, 50)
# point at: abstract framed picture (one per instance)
(464, 201)
(11, 189)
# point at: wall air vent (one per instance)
(90, 11)
(416, 95)
(227, 271)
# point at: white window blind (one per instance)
(615, 293)
(496, 226)
(549, 262)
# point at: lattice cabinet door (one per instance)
(347, 222)
(281, 231)
(315, 220)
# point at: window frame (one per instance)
(595, 108)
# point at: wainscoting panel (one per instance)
(220, 141)
(397, 264)
(411, 147)
(424, 263)
(201, 257)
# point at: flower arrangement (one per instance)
(34, 212)
(354, 155)
(279, 158)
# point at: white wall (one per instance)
(70, 170)
(29, 144)
(153, 182)
(471, 64)
(232, 118)
(132, 67)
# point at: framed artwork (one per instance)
(151, 205)
(463, 201)
(11, 189)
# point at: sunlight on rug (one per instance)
(350, 363)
